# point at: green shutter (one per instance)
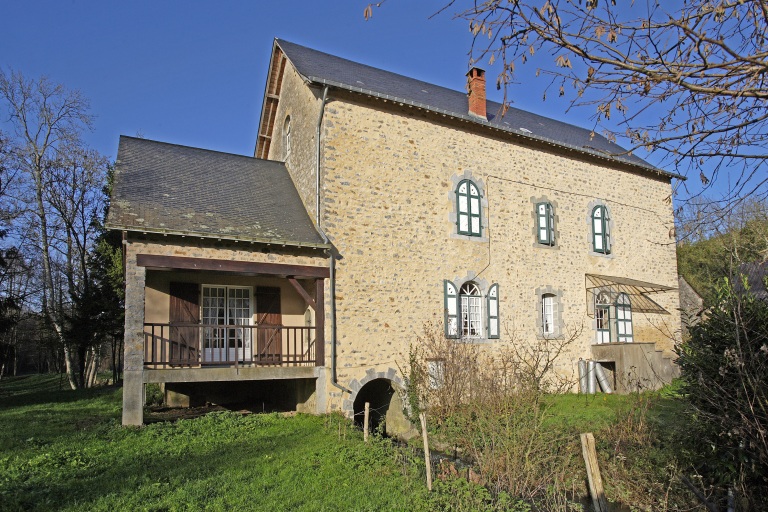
(550, 224)
(599, 227)
(545, 224)
(493, 312)
(468, 209)
(451, 308)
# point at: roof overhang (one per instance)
(160, 262)
(216, 236)
(636, 290)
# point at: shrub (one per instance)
(724, 369)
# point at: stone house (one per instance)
(375, 203)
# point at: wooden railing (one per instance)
(178, 344)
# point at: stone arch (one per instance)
(387, 389)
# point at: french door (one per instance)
(226, 306)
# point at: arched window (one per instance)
(468, 208)
(603, 317)
(601, 236)
(465, 315)
(545, 224)
(287, 137)
(623, 318)
(471, 310)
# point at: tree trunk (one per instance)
(94, 360)
(70, 366)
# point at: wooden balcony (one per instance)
(182, 345)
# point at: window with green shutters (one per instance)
(468, 314)
(468, 209)
(601, 236)
(545, 224)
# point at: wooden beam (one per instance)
(303, 293)
(593, 473)
(240, 267)
(320, 322)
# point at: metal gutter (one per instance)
(332, 262)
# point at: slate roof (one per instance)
(325, 69)
(167, 188)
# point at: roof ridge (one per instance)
(184, 146)
(489, 103)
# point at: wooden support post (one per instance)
(427, 458)
(593, 473)
(366, 415)
(319, 323)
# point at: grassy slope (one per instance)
(66, 450)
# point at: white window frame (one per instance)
(548, 303)
(236, 344)
(603, 317)
(471, 310)
(624, 330)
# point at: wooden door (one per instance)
(184, 313)
(269, 319)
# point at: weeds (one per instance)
(500, 409)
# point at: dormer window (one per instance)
(468, 208)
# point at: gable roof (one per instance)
(325, 69)
(179, 190)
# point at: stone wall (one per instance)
(387, 197)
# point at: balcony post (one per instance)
(320, 322)
(133, 358)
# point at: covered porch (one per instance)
(208, 322)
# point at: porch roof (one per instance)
(180, 190)
(636, 290)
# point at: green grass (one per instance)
(592, 413)
(66, 450)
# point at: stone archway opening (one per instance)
(386, 408)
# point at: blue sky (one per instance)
(193, 72)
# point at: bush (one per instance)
(724, 369)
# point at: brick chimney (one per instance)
(476, 92)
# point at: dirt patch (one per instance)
(158, 414)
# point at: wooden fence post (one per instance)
(365, 420)
(427, 459)
(593, 473)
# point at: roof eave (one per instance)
(218, 237)
(482, 122)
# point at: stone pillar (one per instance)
(133, 360)
(321, 394)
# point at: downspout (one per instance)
(332, 263)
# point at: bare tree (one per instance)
(682, 79)
(58, 181)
